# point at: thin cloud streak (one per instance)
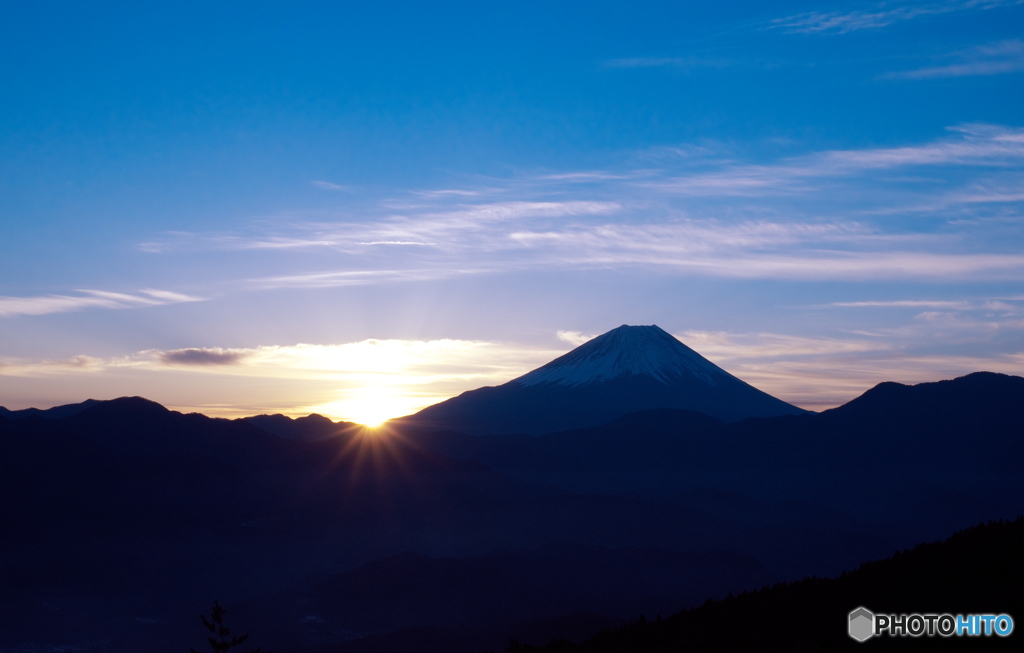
(344, 278)
(679, 63)
(590, 176)
(993, 59)
(76, 365)
(326, 185)
(397, 242)
(903, 303)
(1001, 305)
(867, 266)
(449, 192)
(823, 22)
(972, 145)
(43, 305)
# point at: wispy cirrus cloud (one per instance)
(452, 192)
(1002, 189)
(984, 316)
(74, 365)
(831, 214)
(998, 58)
(586, 176)
(969, 328)
(881, 15)
(969, 145)
(983, 320)
(903, 303)
(758, 250)
(45, 304)
(327, 185)
(824, 22)
(459, 226)
(922, 266)
(366, 277)
(676, 63)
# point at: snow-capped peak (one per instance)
(623, 351)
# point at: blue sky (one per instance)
(261, 207)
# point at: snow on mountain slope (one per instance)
(624, 351)
(628, 369)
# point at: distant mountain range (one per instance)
(628, 369)
(122, 521)
(56, 412)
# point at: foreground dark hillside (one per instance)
(976, 571)
(122, 521)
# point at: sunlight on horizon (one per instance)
(372, 406)
(372, 381)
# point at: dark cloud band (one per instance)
(201, 357)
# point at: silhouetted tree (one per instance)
(219, 639)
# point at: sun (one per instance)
(372, 414)
(369, 406)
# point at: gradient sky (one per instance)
(364, 208)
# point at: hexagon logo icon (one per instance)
(862, 624)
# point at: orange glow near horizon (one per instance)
(370, 406)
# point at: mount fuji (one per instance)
(628, 369)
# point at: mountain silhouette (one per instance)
(327, 536)
(56, 412)
(628, 369)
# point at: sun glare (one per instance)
(369, 406)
